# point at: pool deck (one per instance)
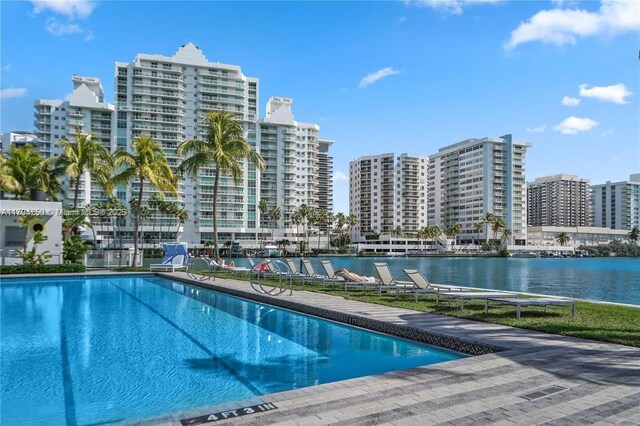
(586, 382)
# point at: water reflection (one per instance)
(605, 279)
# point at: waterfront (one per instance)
(602, 279)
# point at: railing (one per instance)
(110, 258)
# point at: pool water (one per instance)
(90, 350)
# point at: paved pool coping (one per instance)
(525, 377)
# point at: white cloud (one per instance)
(615, 93)
(575, 125)
(567, 101)
(71, 8)
(7, 67)
(538, 129)
(564, 26)
(59, 29)
(378, 75)
(12, 92)
(340, 177)
(448, 6)
(401, 20)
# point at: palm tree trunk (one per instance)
(76, 193)
(136, 220)
(216, 252)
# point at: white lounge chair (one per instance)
(388, 283)
(520, 303)
(318, 277)
(223, 267)
(295, 273)
(472, 295)
(423, 286)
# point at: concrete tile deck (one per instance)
(602, 380)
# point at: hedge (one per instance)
(42, 269)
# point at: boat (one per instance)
(525, 254)
(270, 251)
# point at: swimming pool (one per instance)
(85, 350)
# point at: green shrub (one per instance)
(42, 269)
(74, 248)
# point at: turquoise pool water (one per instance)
(82, 351)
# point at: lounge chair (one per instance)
(295, 273)
(471, 295)
(357, 281)
(350, 280)
(223, 267)
(423, 286)
(388, 283)
(525, 302)
(175, 257)
(317, 277)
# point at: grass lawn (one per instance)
(596, 321)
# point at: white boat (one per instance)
(270, 251)
(525, 254)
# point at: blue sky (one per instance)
(377, 76)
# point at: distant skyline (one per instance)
(398, 76)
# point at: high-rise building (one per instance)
(325, 175)
(616, 205)
(19, 139)
(297, 163)
(387, 193)
(558, 200)
(166, 97)
(474, 177)
(86, 111)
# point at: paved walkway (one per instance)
(537, 379)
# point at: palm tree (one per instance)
(506, 234)
(275, 214)
(497, 225)
(225, 148)
(352, 220)
(488, 220)
(478, 227)
(305, 213)
(146, 164)
(325, 219)
(72, 222)
(562, 238)
(154, 202)
(8, 182)
(145, 214)
(432, 231)
(340, 222)
(24, 170)
(296, 220)
(634, 235)
(182, 215)
(263, 207)
(454, 230)
(420, 236)
(314, 219)
(85, 154)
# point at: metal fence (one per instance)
(93, 258)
